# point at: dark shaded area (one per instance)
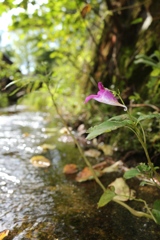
(121, 41)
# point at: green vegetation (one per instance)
(64, 48)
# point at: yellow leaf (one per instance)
(4, 234)
(107, 149)
(85, 10)
(114, 167)
(92, 153)
(123, 192)
(40, 161)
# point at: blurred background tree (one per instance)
(75, 44)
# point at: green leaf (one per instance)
(148, 116)
(142, 167)
(137, 20)
(12, 83)
(106, 126)
(156, 210)
(146, 60)
(131, 173)
(106, 197)
(119, 117)
(143, 183)
(156, 205)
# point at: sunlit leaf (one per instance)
(64, 130)
(4, 234)
(85, 10)
(92, 153)
(12, 83)
(108, 13)
(106, 197)
(40, 161)
(70, 168)
(122, 190)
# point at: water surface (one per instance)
(38, 203)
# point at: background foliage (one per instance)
(75, 44)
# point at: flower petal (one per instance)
(100, 86)
(104, 95)
(90, 97)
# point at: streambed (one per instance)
(38, 203)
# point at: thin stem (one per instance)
(146, 206)
(135, 129)
(142, 140)
(146, 152)
(133, 211)
(75, 140)
(143, 133)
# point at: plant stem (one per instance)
(146, 206)
(142, 140)
(75, 140)
(134, 212)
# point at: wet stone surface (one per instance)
(38, 203)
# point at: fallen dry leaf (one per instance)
(124, 193)
(46, 146)
(107, 149)
(100, 165)
(113, 168)
(86, 174)
(92, 153)
(64, 130)
(4, 234)
(70, 168)
(40, 161)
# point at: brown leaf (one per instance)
(4, 234)
(86, 174)
(100, 166)
(70, 169)
(85, 10)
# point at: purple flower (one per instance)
(104, 95)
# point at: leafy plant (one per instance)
(134, 124)
(154, 81)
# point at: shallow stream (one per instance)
(42, 203)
